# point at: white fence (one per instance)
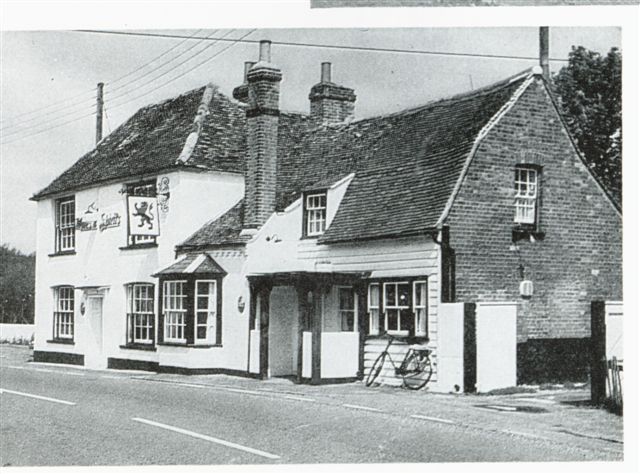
(16, 333)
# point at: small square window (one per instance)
(315, 213)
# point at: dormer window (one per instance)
(527, 192)
(315, 213)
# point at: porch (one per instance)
(307, 326)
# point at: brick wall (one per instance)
(580, 256)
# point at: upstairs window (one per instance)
(315, 214)
(527, 192)
(66, 224)
(63, 314)
(144, 189)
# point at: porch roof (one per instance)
(192, 264)
(288, 278)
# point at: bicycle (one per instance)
(416, 369)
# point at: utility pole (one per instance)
(99, 111)
(544, 51)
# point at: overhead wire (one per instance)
(38, 132)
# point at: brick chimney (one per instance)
(330, 103)
(241, 93)
(263, 79)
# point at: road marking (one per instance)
(192, 385)
(239, 390)
(301, 399)
(501, 407)
(208, 438)
(432, 418)
(360, 407)
(39, 397)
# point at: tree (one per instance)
(590, 93)
(17, 284)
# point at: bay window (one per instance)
(191, 311)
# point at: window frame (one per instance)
(60, 228)
(207, 339)
(525, 200)
(133, 189)
(397, 307)
(190, 310)
(377, 310)
(132, 315)
(353, 310)
(68, 312)
(307, 221)
(180, 323)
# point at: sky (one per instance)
(49, 78)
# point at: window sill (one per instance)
(139, 347)
(526, 231)
(149, 245)
(190, 346)
(61, 341)
(62, 253)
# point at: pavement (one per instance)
(56, 415)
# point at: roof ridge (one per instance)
(198, 122)
(444, 100)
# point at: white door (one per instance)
(496, 345)
(93, 356)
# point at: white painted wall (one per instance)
(614, 331)
(306, 354)
(495, 345)
(99, 261)
(339, 354)
(450, 348)
(11, 332)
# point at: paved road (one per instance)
(115, 418)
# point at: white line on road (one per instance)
(360, 407)
(208, 438)
(238, 390)
(301, 399)
(526, 435)
(432, 418)
(192, 385)
(502, 408)
(39, 397)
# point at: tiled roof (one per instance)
(192, 264)
(406, 166)
(224, 230)
(154, 137)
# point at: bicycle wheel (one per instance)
(416, 371)
(376, 368)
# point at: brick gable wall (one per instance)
(580, 257)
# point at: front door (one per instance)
(93, 357)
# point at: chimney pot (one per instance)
(265, 51)
(247, 66)
(325, 75)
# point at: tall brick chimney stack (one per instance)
(330, 103)
(263, 80)
(241, 93)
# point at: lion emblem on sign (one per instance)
(143, 212)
